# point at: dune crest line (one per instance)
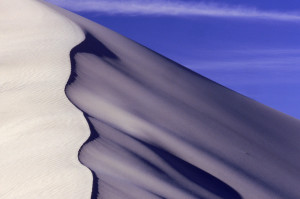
(163, 131)
(41, 131)
(73, 91)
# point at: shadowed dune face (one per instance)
(162, 131)
(212, 187)
(90, 45)
(122, 143)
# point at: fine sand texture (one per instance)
(159, 130)
(149, 127)
(41, 131)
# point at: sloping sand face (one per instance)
(162, 131)
(41, 132)
(158, 130)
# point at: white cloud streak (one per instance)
(171, 8)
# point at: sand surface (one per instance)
(41, 132)
(157, 130)
(160, 130)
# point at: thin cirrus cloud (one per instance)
(172, 8)
(280, 61)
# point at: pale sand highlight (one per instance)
(41, 132)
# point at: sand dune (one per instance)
(163, 131)
(41, 132)
(157, 129)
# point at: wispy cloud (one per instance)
(259, 71)
(252, 59)
(172, 8)
(267, 64)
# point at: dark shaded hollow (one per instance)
(93, 46)
(89, 45)
(203, 179)
(93, 135)
(195, 174)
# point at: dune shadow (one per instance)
(196, 175)
(93, 136)
(89, 45)
(93, 46)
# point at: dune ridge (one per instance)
(41, 131)
(149, 127)
(162, 131)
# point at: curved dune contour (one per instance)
(160, 130)
(157, 130)
(41, 132)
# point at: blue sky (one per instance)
(252, 47)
